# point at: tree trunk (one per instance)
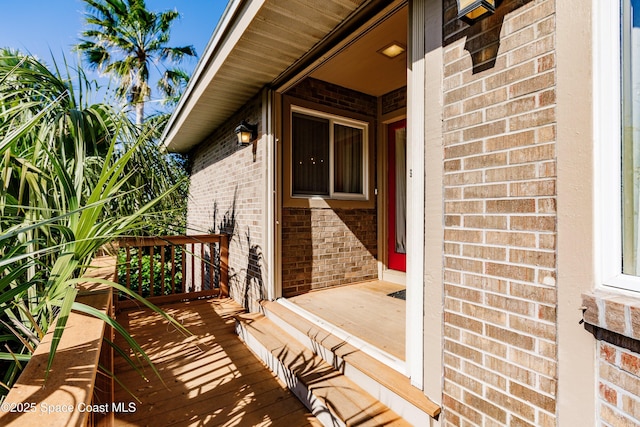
(139, 113)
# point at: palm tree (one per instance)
(65, 190)
(125, 39)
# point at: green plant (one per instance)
(140, 278)
(65, 191)
(127, 40)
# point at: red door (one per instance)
(397, 191)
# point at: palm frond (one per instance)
(124, 39)
(72, 179)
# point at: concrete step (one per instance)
(333, 398)
(390, 387)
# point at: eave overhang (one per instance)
(255, 44)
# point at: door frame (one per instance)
(398, 260)
(384, 272)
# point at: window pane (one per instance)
(310, 155)
(348, 148)
(630, 135)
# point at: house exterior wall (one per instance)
(323, 247)
(500, 298)
(517, 143)
(618, 384)
(617, 333)
(393, 101)
(576, 244)
(327, 247)
(227, 195)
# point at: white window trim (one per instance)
(608, 147)
(333, 120)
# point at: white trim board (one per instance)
(415, 193)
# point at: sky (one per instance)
(43, 27)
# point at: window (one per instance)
(617, 129)
(630, 108)
(310, 136)
(328, 156)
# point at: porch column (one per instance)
(415, 192)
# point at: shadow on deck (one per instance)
(210, 378)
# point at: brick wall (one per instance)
(227, 194)
(324, 247)
(614, 320)
(394, 100)
(499, 131)
(334, 96)
(618, 385)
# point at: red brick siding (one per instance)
(500, 220)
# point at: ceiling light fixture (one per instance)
(393, 49)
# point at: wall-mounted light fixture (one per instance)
(246, 132)
(471, 11)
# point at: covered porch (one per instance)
(373, 312)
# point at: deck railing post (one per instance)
(173, 269)
(162, 261)
(128, 266)
(152, 266)
(212, 267)
(202, 268)
(140, 270)
(184, 268)
(193, 269)
(224, 265)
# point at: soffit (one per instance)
(255, 46)
(359, 65)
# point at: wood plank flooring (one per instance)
(364, 310)
(210, 378)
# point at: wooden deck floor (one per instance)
(364, 310)
(211, 378)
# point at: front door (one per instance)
(397, 185)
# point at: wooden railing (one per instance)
(172, 268)
(76, 393)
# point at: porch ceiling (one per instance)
(254, 43)
(360, 66)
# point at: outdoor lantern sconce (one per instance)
(247, 133)
(471, 11)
